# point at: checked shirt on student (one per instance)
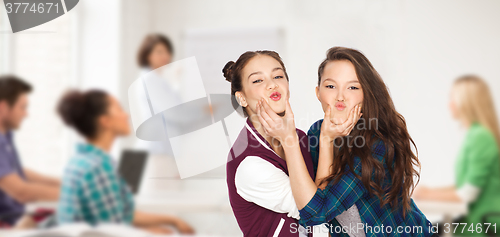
(92, 191)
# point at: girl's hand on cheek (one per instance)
(330, 130)
(280, 128)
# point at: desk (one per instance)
(208, 212)
(169, 202)
(447, 210)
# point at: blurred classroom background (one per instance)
(419, 48)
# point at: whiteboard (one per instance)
(213, 48)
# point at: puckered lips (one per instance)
(340, 106)
(275, 96)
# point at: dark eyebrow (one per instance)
(254, 73)
(353, 81)
(259, 72)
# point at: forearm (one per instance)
(325, 161)
(442, 194)
(447, 188)
(37, 192)
(143, 219)
(303, 187)
(35, 177)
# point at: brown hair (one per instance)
(390, 127)
(11, 87)
(232, 72)
(147, 46)
(81, 110)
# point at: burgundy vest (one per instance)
(253, 219)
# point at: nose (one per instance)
(272, 85)
(340, 96)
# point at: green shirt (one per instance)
(479, 165)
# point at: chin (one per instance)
(339, 119)
(279, 110)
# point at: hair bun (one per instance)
(71, 106)
(227, 71)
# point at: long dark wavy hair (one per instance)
(389, 126)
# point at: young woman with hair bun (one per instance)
(257, 173)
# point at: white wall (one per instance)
(417, 47)
(100, 42)
(41, 56)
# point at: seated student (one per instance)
(17, 184)
(92, 191)
(477, 169)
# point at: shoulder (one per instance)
(379, 147)
(315, 128)
(480, 139)
(480, 134)
(83, 165)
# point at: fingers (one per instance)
(352, 115)
(348, 130)
(349, 121)
(288, 111)
(261, 113)
(356, 114)
(329, 116)
(269, 111)
(264, 124)
(328, 113)
(355, 117)
(266, 114)
(345, 128)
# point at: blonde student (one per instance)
(477, 168)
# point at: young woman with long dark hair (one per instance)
(366, 167)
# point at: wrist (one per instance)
(291, 140)
(325, 139)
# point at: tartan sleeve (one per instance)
(333, 200)
(313, 139)
(69, 208)
(102, 195)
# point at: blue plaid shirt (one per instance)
(337, 197)
(92, 191)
